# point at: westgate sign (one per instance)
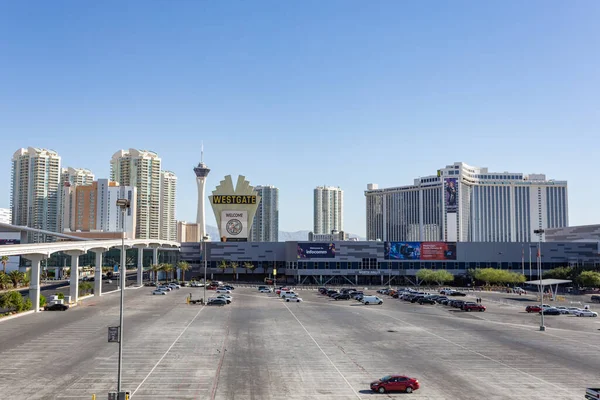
(226, 199)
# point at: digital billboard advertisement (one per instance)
(402, 250)
(424, 251)
(438, 251)
(316, 250)
(451, 194)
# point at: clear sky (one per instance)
(305, 93)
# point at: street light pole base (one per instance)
(542, 328)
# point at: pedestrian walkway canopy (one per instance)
(549, 282)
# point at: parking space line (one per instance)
(167, 352)
(475, 352)
(322, 351)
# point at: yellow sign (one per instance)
(234, 199)
(274, 272)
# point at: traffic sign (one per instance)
(113, 334)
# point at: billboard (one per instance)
(438, 251)
(316, 250)
(402, 250)
(234, 224)
(10, 241)
(451, 194)
(424, 251)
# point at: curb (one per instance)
(17, 315)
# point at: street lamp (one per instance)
(540, 232)
(204, 240)
(123, 204)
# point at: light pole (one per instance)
(540, 232)
(204, 240)
(123, 204)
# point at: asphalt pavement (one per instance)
(260, 347)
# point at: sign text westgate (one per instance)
(233, 199)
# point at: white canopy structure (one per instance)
(549, 282)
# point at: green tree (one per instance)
(27, 305)
(222, 265)
(16, 277)
(560, 273)
(248, 266)
(60, 295)
(5, 281)
(42, 301)
(85, 288)
(589, 279)
(4, 261)
(183, 267)
(12, 301)
(234, 266)
(155, 268)
(168, 268)
(425, 275)
(442, 276)
(497, 276)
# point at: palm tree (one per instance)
(222, 265)
(234, 265)
(16, 277)
(249, 266)
(155, 268)
(168, 268)
(4, 261)
(183, 267)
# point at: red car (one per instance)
(395, 383)
(278, 291)
(473, 307)
(531, 309)
(211, 288)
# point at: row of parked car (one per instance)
(350, 293)
(164, 289)
(561, 310)
(286, 293)
(422, 298)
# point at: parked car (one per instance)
(426, 300)
(57, 307)
(227, 299)
(293, 299)
(395, 383)
(586, 313)
(454, 293)
(229, 287)
(366, 300)
(265, 290)
(174, 285)
(165, 288)
(223, 290)
(550, 311)
(342, 296)
(531, 309)
(470, 306)
(159, 292)
(217, 302)
(573, 310)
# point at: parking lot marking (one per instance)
(166, 352)
(476, 352)
(322, 351)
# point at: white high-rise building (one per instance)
(201, 172)
(5, 216)
(71, 177)
(142, 170)
(35, 189)
(265, 225)
(168, 192)
(328, 209)
(466, 203)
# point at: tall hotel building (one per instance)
(93, 208)
(168, 191)
(35, 189)
(328, 209)
(464, 203)
(71, 177)
(141, 169)
(265, 226)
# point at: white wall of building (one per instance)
(5, 216)
(328, 209)
(108, 214)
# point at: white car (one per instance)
(228, 299)
(266, 290)
(293, 299)
(165, 288)
(586, 313)
(159, 292)
(223, 290)
(573, 310)
(174, 286)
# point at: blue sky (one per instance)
(307, 93)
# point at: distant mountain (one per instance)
(284, 236)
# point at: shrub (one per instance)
(61, 296)
(42, 301)
(27, 305)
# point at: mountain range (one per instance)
(283, 235)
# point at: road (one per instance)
(260, 347)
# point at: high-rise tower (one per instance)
(329, 210)
(201, 173)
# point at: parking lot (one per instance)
(260, 347)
